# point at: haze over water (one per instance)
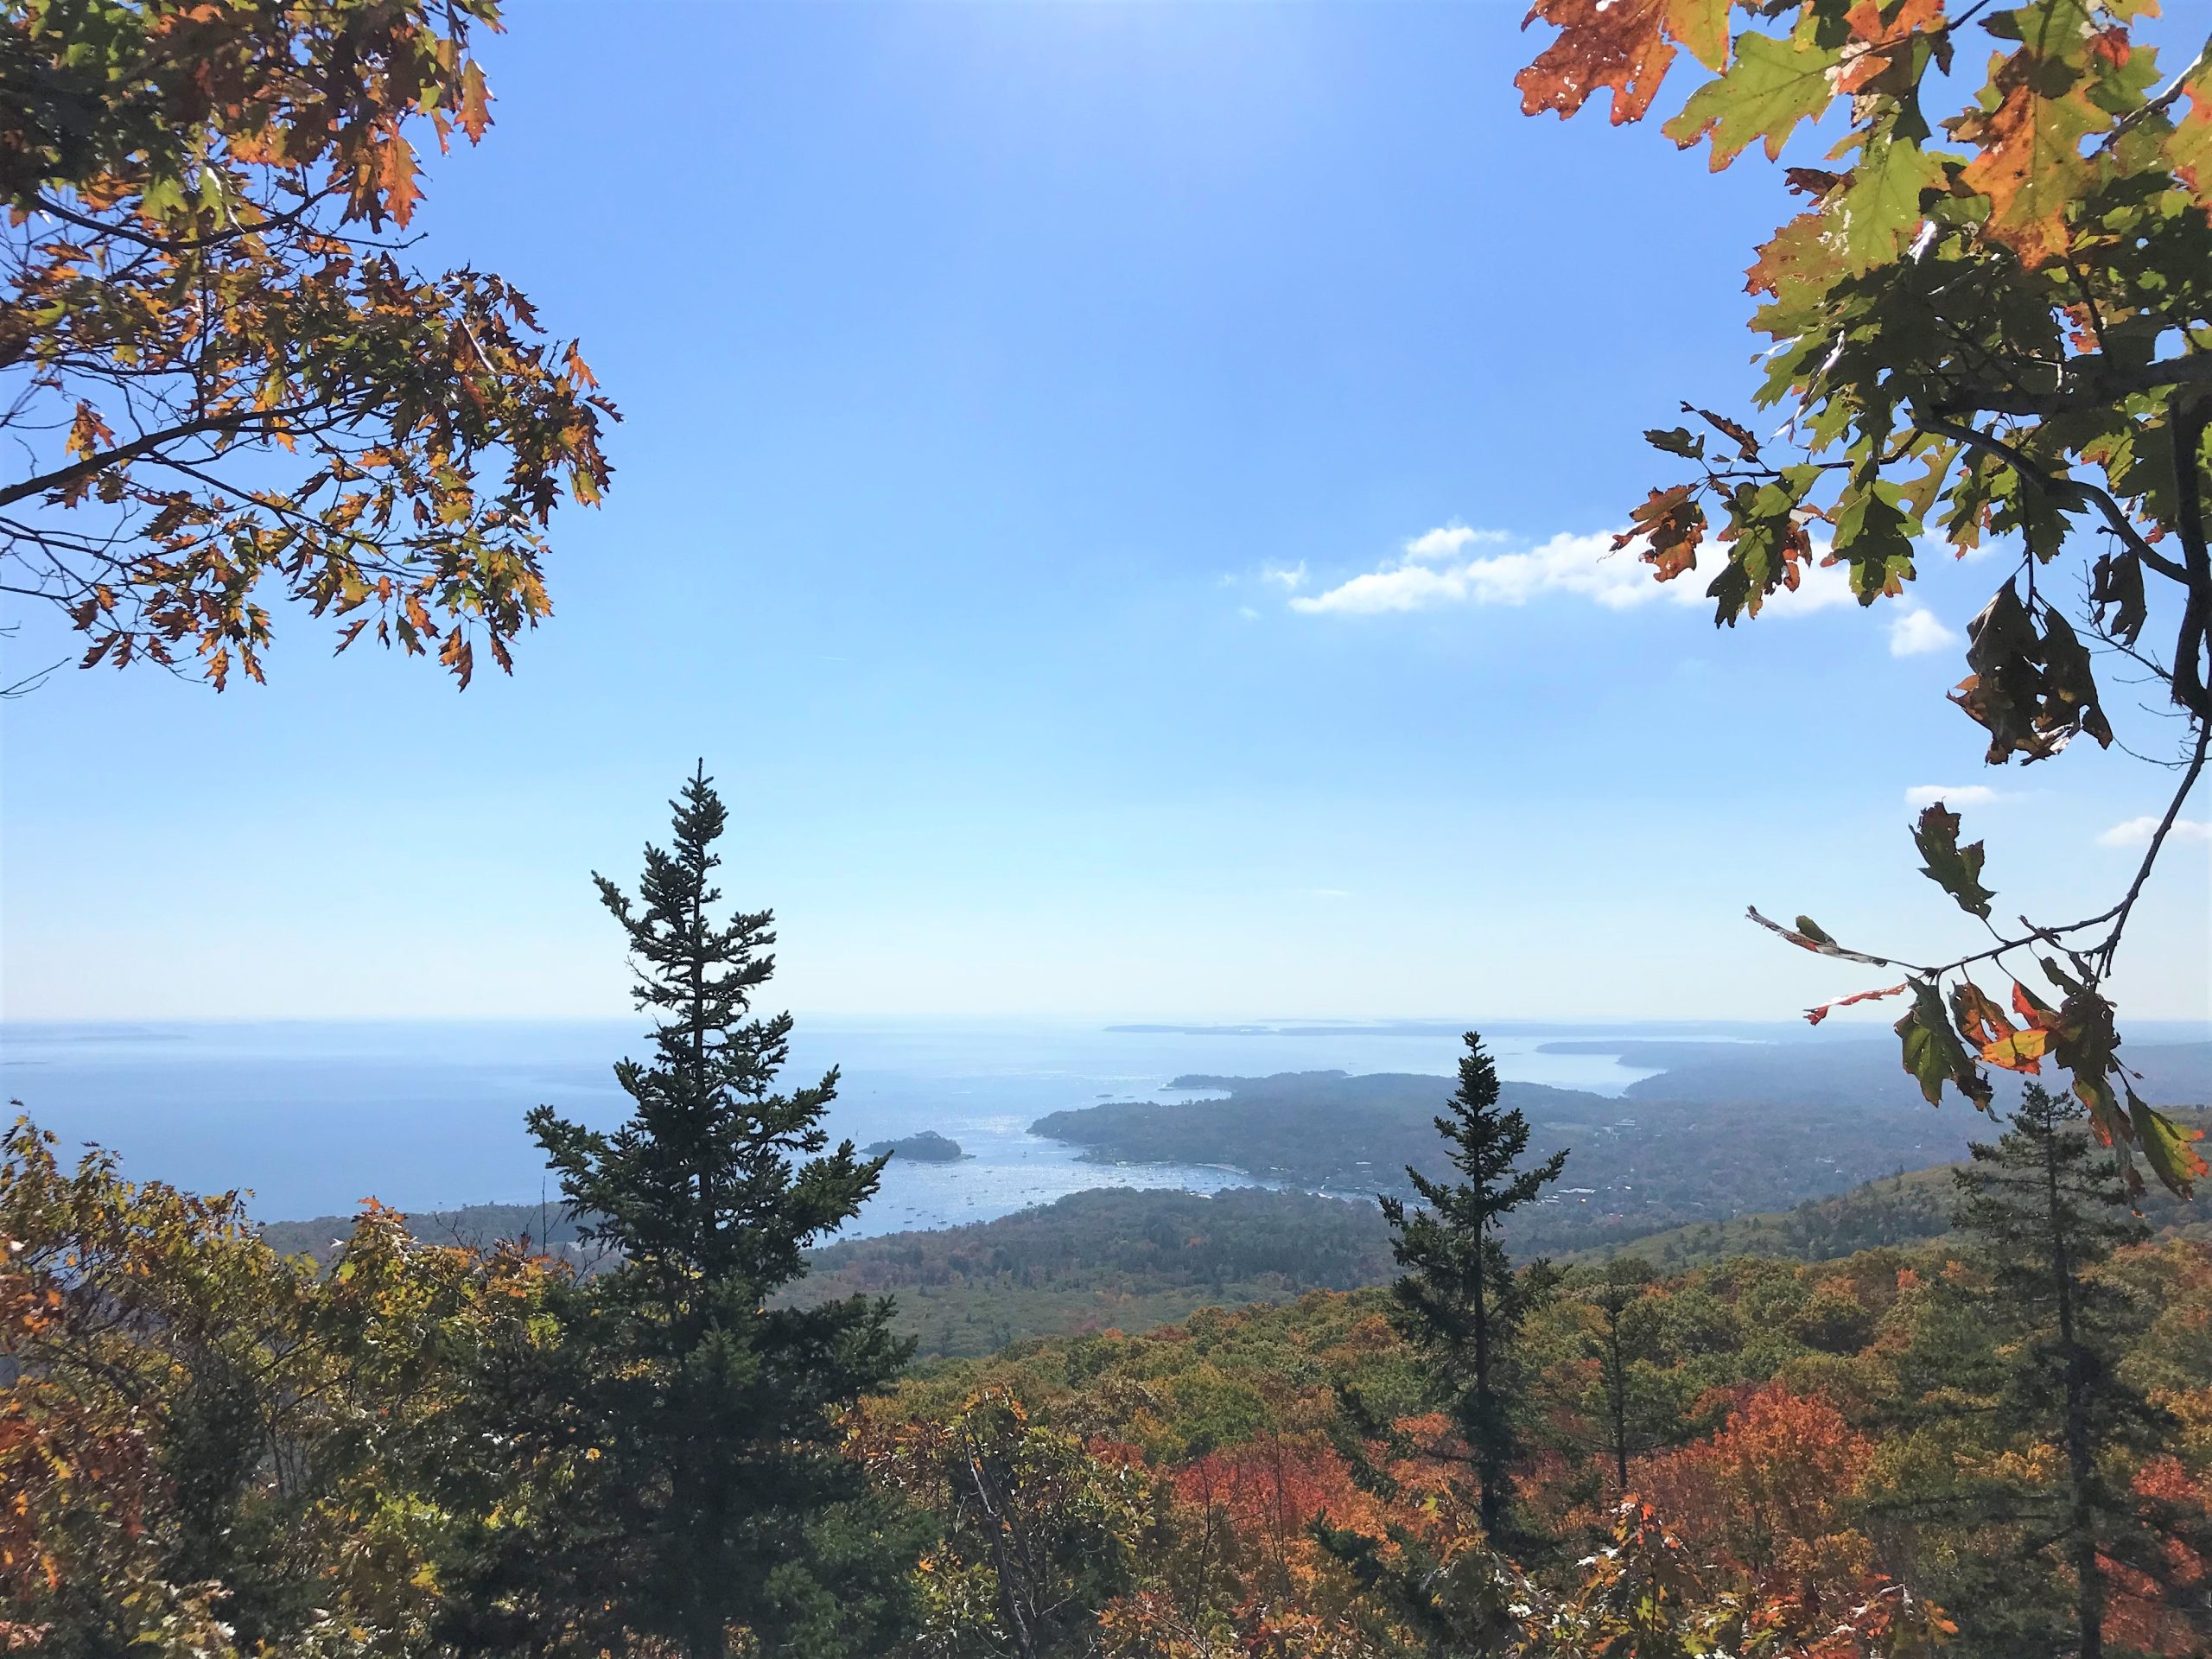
(314, 1116)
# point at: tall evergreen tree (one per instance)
(709, 1498)
(1459, 1298)
(1623, 1341)
(2022, 1376)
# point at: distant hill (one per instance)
(1109, 1258)
(1133, 1260)
(1850, 1070)
(1747, 1129)
(479, 1226)
(1633, 1167)
(1898, 1210)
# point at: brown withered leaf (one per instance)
(1735, 431)
(2116, 590)
(2033, 693)
(1813, 1016)
(1669, 524)
(1617, 45)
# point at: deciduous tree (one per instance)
(1990, 320)
(220, 376)
(206, 1448)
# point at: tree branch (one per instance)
(2090, 381)
(76, 471)
(2087, 495)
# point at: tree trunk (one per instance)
(1616, 1386)
(2081, 1460)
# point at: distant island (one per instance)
(926, 1147)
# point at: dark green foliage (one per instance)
(1459, 1300)
(1113, 1259)
(1624, 1344)
(927, 1146)
(2023, 1359)
(711, 1494)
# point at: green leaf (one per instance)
(1677, 441)
(1881, 207)
(1955, 868)
(1701, 27)
(1934, 1054)
(2167, 1147)
(1875, 538)
(1772, 86)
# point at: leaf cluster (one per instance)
(225, 378)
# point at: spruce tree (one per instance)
(2018, 1372)
(711, 1497)
(1459, 1298)
(1623, 1341)
(2047, 1205)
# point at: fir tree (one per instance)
(710, 1498)
(2021, 1374)
(1459, 1298)
(1623, 1341)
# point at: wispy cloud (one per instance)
(1439, 569)
(2137, 832)
(1286, 576)
(1917, 633)
(1953, 795)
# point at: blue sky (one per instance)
(990, 373)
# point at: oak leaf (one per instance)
(1771, 86)
(1618, 45)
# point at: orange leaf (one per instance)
(1619, 45)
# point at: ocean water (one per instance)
(313, 1117)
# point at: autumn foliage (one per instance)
(1988, 316)
(226, 378)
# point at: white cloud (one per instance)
(1449, 541)
(1952, 795)
(1290, 575)
(2137, 832)
(1917, 632)
(1436, 570)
